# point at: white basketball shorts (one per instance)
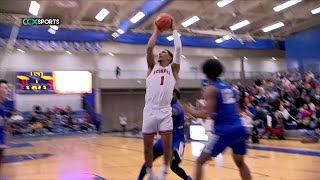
(157, 120)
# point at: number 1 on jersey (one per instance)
(162, 80)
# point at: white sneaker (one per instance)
(162, 175)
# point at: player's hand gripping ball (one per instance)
(164, 22)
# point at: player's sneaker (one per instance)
(152, 177)
(162, 175)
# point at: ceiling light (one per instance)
(102, 14)
(215, 57)
(137, 17)
(52, 31)
(111, 54)
(315, 11)
(224, 38)
(120, 31)
(245, 58)
(272, 27)
(20, 50)
(219, 40)
(183, 56)
(68, 52)
(115, 35)
(239, 25)
(170, 38)
(273, 58)
(54, 27)
(224, 3)
(34, 8)
(190, 21)
(286, 5)
(227, 37)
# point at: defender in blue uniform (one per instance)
(4, 95)
(221, 107)
(178, 140)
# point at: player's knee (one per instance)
(200, 161)
(173, 167)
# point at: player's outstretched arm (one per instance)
(210, 107)
(150, 47)
(177, 53)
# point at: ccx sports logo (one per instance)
(40, 21)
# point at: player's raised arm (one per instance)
(150, 47)
(177, 52)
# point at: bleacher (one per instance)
(58, 128)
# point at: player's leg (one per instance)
(239, 148)
(214, 146)
(148, 152)
(203, 158)
(166, 139)
(243, 168)
(149, 129)
(175, 166)
(157, 152)
(165, 130)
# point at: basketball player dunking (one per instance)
(4, 95)
(178, 140)
(227, 131)
(160, 82)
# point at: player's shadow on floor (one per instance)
(24, 157)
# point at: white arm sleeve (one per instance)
(177, 47)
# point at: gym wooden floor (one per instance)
(120, 158)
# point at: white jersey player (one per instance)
(160, 83)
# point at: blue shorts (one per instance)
(217, 143)
(177, 145)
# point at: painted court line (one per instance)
(262, 148)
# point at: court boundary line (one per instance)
(211, 165)
(259, 148)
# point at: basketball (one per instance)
(163, 22)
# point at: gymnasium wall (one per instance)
(303, 50)
(130, 103)
(264, 65)
(48, 61)
(130, 58)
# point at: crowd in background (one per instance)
(49, 122)
(285, 101)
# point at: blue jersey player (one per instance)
(227, 130)
(4, 95)
(178, 140)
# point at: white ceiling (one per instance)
(81, 14)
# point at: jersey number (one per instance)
(162, 80)
(228, 96)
